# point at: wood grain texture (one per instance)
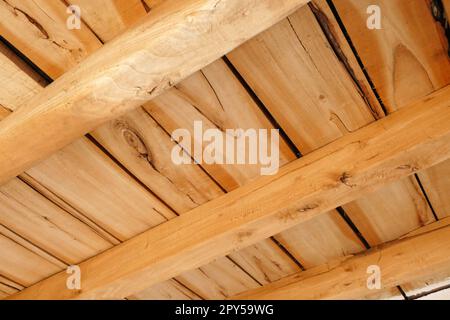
(143, 146)
(312, 84)
(39, 23)
(218, 280)
(21, 265)
(394, 147)
(29, 214)
(109, 18)
(294, 72)
(404, 209)
(336, 240)
(399, 261)
(405, 59)
(138, 142)
(215, 97)
(116, 78)
(82, 176)
(167, 290)
(436, 181)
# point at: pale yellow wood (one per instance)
(115, 78)
(301, 82)
(394, 147)
(343, 51)
(405, 59)
(218, 280)
(296, 73)
(109, 18)
(436, 181)
(21, 265)
(264, 262)
(138, 142)
(121, 206)
(28, 213)
(30, 246)
(168, 290)
(400, 261)
(83, 176)
(385, 294)
(215, 97)
(43, 29)
(404, 209)
(173, 186)
(311, 249)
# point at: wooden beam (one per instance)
(397, 146)
(409, 259)
(178, 38)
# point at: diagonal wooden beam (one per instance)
(178, 38)
(399, 145)
(418, 257)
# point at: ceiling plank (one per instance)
(307, 76)
(400, 261)
(397, 146)
(117, 78)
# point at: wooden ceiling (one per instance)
(365, 122)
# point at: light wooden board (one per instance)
(39, 23)
(21, 265)
(436, 181)
(295, 72)
(47, 226)
(109, 18)
(118, 78)
(394, 147)
(168, 290)
(137, 142)
(98, 203)
(404, 209)
(399, 261)
(218, 280)
(335, 237)
(406, 60)
(83, 176)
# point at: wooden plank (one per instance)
(138, 142)
(168, 290)
(336, 241)
(312, 84)
(28, 213)
(26, 137)
(436, 181)
(113, 18)
(38, 22)
(211, 97)
(264, 262)
(218, 280)
(83, 176)
(400, 261)
(405, 59)
(217, 99)
(30, 246)
(8, 287)
(404, 209)
(277, 64)
(21, 265)
(394, 147)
